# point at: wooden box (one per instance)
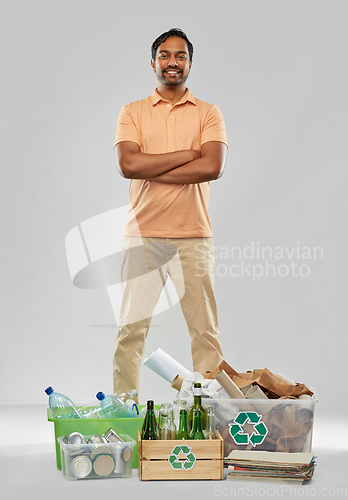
(181, 459)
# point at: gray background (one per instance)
(278, 72)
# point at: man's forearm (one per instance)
(137, 165)
(200, 170)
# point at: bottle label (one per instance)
(197, 391)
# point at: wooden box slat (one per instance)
(154, 464)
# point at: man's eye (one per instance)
(163, 56)
(182, 58)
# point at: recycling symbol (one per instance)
(180, 451)
(248, 417)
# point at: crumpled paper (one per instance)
(288, 430)
(210, 387)
(273, 386)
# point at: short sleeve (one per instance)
(214, 127)
(126, 129)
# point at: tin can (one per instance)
(96, 439)
(74, 438)
(112, 437)
(100, 449)
(81, 466)
(104, 465)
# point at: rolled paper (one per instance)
(254, 392)
(230, 387)
(165, 366)
(304, 413)
(286, 379)
(177, 382)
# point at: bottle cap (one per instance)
(150, 404)
(49, 390)
(133, 393)
(100, 396)
(197, 389)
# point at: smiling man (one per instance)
(170, 145)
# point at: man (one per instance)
(170, 145)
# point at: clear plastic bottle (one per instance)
(114, 407)
(61, 406)
(128, 398)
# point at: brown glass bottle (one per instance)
(149, 427)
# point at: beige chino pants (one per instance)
(146, 264)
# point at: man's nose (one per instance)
(172, 61)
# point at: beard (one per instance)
(171, 83)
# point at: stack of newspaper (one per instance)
(270, 466)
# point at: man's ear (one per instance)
(153, 65)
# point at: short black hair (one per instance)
(162, 38)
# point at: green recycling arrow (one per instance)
(178, 464)
(240, 437)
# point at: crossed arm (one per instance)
(180, 167)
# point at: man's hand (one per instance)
(133, 164)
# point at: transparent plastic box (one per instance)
(92, 426)
(101, 460)
(282, 425)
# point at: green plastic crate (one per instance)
(92, 426)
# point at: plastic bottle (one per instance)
(61, 406)
(128, 398)
(114, 407)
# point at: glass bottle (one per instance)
(197, 405)
(178, 404)
(197, 429)
(149, 427)
(165, 429)
(166, 411)
(210, 430)
(183, 430)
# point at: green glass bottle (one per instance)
(197, 404)
(150, 427)
(183, 430)
(197, 429)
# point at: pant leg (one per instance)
(143, 276)
(198, 302)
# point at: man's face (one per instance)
(172, 65)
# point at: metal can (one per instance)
(96, 439)
(112, 437)
(100, 449)
(104, 464)
(74, 438)
(81, 466)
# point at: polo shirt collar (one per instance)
(188, 96)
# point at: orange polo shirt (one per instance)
(169, 210)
